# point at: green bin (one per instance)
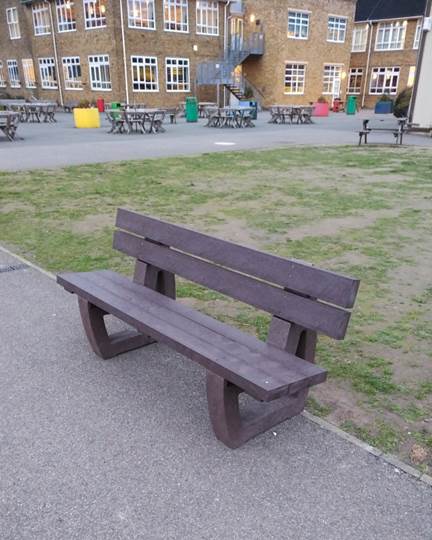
(191, 109)
(351, 106)
(115, 105)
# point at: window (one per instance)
(336, 29)
(47, 73)
(144, 74)
(66, 21)
(95, 13)
(411, 76)
(390, 36)
(295, 75)
(298, 24)
(141, 14)
(332, 79)
(41, 19)
(100, 78)
(29, 73)
(418, 33)
(355, 81)
(2, 76)
(176, 15)
(13, 74)
(177, 75)
(72, 72)
(207, 17)
(360, 36)
(13, 23)
(384, 80)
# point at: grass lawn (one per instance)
(365, 212)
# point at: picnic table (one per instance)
(398, 130)
(9, 121)
(136, 120)
(284, 114)
(204, 107)
(233, 117)
(34, 111)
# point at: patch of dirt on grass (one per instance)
(13, 207)
(92, 223)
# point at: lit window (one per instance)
(332, 79)
(176, 15)
(207, 17)
(2, 76)
(384, 80)
(360, 35)
(94, 13)
(390, 36)
(29, 73)
(141, 14)
(100, 77)
(72, 72)
(411, 76)
(13, 23)
(47, 73)
(418, 34)
(144, 74)
(66, 21)
(41, 19)
(13, 74)
(298, 24)
(336, 29)
(295, 75)
(355, 81)
(177, 75)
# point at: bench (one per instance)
(398, 131)
(303, 300)
(9, 124)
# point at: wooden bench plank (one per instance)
(265, 378)
(295, 275)
(311, 314)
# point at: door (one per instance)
(236, 32)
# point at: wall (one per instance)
(422, 113)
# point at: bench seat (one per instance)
(262, 370)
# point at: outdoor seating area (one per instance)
(229, 117)
(33, 111)
(398, 130)
(136, 120)
(291, 114)
(9, 124)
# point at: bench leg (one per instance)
(224, 410)
(104, 345)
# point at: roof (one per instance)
(389, 9)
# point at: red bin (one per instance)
(100, 105)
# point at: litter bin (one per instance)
(252, 104)
(191, 109)
(114, 106)
(100, 103)
(351, 107)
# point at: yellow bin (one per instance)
(86, 118)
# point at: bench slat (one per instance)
(295, 275)
(311, 314)
(264, 377)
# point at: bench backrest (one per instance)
(292, 290)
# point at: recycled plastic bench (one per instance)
(302, 299)
(398, 131)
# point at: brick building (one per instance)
(385, 46)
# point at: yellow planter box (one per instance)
(86, 118)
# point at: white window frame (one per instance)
(360, 38)
(41, 19)
(140, 83)
(300, 19)
(331, 74)
(337, 26)
(388, 73)
(418, 34)
(296, 71)
(207, 17)
(99, 64)
(13, 73)
(2, 76)
(72, 66)
(66, 18)
(29, 72)
(171, 82)
(358, 73)
(396, 36)
(48, 74)
(94, 14)
(142, 14)
(170, 8)
(13, 23)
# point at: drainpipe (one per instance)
(55, 52)
(370, 26)
(124, 52)
(226, 38)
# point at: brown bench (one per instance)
(302, 299)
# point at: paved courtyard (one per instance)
(59, 145)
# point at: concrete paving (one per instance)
(60, 145)
(122, 449)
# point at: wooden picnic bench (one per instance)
(9, 123)
(398, 131)
(303, 300)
